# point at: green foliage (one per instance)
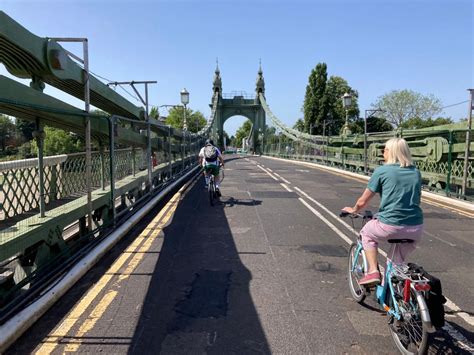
(415, 122)
(243, 132)
(154, 113)
(26, 128)
(336, 88)
(402, 105)
(299, 125)
(195, 120)
(7, 132)
(374, 124)
(323, 102)
(58, 141)
(314, 103)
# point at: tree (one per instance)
(323, 102)
(416, 122)
(374, 124)
(402, 105)
(7, 132)
(26, 128)
(58, 141)
(299, 125)
(336, 88)
(243, 132)
(195, 120)
(154, 113)
(314, 102)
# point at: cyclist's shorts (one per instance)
(212, 168)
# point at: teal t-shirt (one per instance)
(400, 194)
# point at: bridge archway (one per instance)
(240, 104)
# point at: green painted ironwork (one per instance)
(31, 242)
(225, 106)
(438, 153)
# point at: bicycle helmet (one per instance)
(209, 141)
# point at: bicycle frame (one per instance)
(381, 290)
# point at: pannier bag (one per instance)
(210, 153)
(434, 297)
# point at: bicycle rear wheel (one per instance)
(211, 190)
(356, 272)
(410, 333)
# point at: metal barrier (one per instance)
(438, 153)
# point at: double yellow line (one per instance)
(138, 249)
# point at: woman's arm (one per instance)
(363, 201)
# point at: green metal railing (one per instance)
(438, 154)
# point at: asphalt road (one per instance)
(260, 272)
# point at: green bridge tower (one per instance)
(248, 106)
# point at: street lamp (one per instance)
(185, 101)
(368, 114)
(346, 104)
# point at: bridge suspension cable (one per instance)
(209, 124)
(291, 133)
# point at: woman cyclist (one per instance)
(400, 216)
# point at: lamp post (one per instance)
(346, 103)
(185, 101)
(368, 114)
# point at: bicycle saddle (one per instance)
(398, 241)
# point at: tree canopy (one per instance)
(195, 120)
(7, 132)
(323, 102)
(416, 122)
(403, 105)
(243, 132)
(58, 141)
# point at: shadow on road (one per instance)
(198, 300)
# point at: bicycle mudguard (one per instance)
(424, 311)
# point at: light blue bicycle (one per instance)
(401, 294)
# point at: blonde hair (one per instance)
(398, 152)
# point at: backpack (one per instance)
(210, 153)
(434, 298)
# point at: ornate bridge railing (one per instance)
(54, 209)
(438, 153)
(64, 178)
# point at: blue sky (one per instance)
(376, 45)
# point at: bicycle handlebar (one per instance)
(366, 215)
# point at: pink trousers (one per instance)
(375, 231)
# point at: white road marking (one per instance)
(281, 177)
(453, 307)
(271, 175)
(441, 240)
(322, 218)
(334, 216)
(449, 304)
(303, 171)
(286, 187)
(461, 341)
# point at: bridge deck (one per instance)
(258, 273)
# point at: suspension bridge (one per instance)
(104, 251)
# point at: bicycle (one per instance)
(211, 188)
(402, 297)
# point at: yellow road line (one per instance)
(66, 325)
(90, 322)
(452, 209)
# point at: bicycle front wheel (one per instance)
(410, 334)
(356, 267)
